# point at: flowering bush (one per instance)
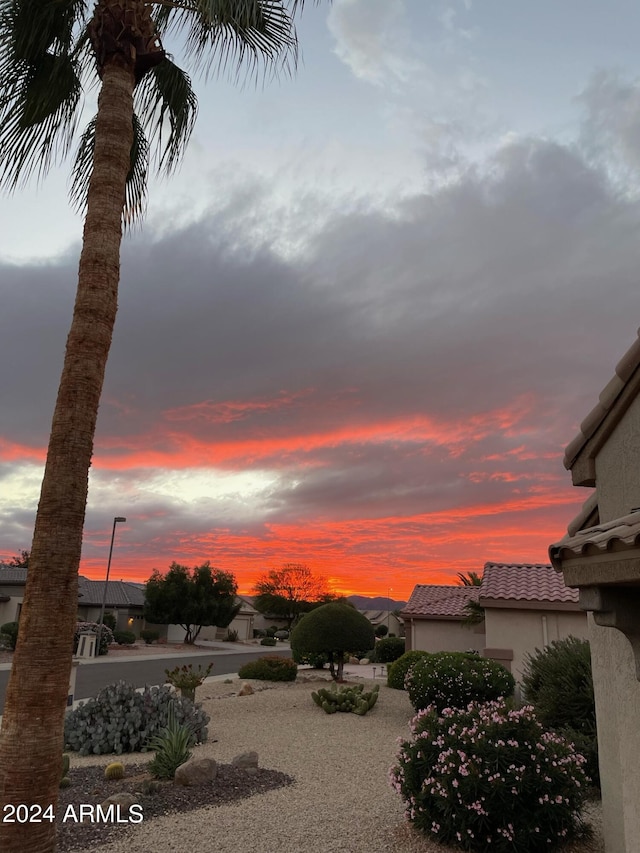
(453, 679)
(490, 778)
(106, 635)
(397, 671)
(186, 678)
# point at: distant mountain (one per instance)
(380, 602)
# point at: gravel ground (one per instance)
(340, 801)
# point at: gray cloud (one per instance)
(429, 359)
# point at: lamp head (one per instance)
(118, 518)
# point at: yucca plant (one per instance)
(171, 746)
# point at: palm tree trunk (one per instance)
(31, 740)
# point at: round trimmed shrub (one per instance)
(490, 778)
(389, 649)
(558, 682)
(270, 668)
(124, 638)
(381, 630)
(453, 679)
(397, 671)
(268, 641)
(332, 629)
(149, 635)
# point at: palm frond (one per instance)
(136, 190)
(41, 85)
(38, 115)
(168, 106)
(232, 33)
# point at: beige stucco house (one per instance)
(433, 619)
(600, 556)
(526, 607)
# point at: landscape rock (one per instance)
(364, 661)
(247, 761)
(122, 799)
(196, 772)
(245, 690)
(353, 660)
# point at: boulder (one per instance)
(247, 761)
(196, 772)
(365, 661)
(245, 690)
(123, 799)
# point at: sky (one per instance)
(360, 324)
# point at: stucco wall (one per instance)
(440, 635)
(617, 693)
(9, 609)
(524, 631)
(618, 467)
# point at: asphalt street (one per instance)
(93, 675)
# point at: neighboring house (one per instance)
(123, 598)
(526, 607)
(243, 624)
(12, 582)
(600, 555)
(433, 619)
(388, 618)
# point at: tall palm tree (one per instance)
(49, 51)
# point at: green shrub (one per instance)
(332, 629)
(270, 668)
(149, 636)
(347, 699)
(389, 649)
(490, 778)
(558, 682)
(453, 679)
(124, 638)
(316, 661)
(10, 631)
(121, 719)
(109, 620)
(268, 641)
(171, 745)
(232, 636)
(381, 630)
(397, 671)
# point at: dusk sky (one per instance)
(361, 323)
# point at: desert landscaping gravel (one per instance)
(340, 800)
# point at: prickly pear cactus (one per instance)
(351, 699)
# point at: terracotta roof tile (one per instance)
(440, 601)
(621, 534)
(524, 582)
(625, 369)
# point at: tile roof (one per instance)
(621, 534)
(440, 601)
(119, 593)
(625, 369)
(524, 582)
(12, 575)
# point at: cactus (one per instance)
(351, 699)
(64, 775)
(115, 770)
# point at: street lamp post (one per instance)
(389, 590)
(117, 520)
